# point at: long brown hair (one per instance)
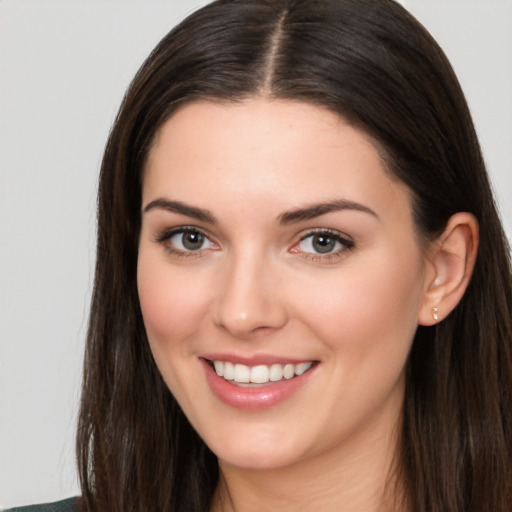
(372, 63)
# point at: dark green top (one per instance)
(68, 505)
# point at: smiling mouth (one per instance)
(260, 374)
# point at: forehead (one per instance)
(283, 153)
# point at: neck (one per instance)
(357, 475)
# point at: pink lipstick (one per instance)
(255, 383)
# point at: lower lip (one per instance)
(253, 398)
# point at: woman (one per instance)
(303, 290)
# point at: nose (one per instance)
(248, 302)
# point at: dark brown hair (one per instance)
(372, 63)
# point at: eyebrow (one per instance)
(181, 208)
(290, 217)
(316, 210)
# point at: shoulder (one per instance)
(69, 505)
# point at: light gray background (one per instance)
(64, 65)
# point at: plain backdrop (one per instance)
(64, 66)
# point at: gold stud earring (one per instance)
(434, 314)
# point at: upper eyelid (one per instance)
(328, 231)
(164, 234)
(347, 244)
(163, 238)
(167, 233)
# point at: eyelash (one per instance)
(345, 243)
(165, 237)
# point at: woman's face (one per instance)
(275, 248)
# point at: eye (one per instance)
(184, 241)
(188, 240)
(320, 243)
(323, 244)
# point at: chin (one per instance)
(255, 459)
(258, 449)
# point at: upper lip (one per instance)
(255, 360)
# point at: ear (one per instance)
(451, 259)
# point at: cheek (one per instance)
(172, 304)
(373, 304)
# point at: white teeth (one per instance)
(242, 373)
(289, 371)
(219, 367)
(301, 368)
(260, 374)
(276, 372)
(229, 371)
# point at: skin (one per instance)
(254, 287)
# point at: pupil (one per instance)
(323, 244)
(193, 240)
